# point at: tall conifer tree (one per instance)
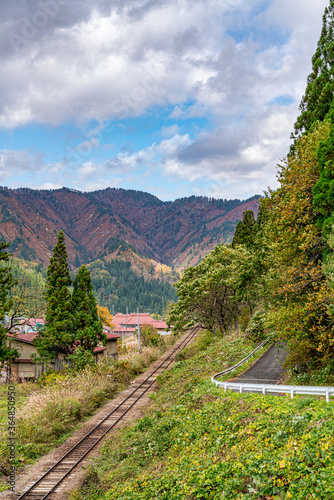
(58, 336)
(244, 231)
(88, 327)
(319, 92)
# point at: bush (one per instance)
(256, 330)
(150, 336)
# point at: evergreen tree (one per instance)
(58, 336)
(88, 327)
(319, 92)
(323, 190)
(6, 283)
(244, 232)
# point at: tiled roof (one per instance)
(99, 349)
(23, 337)
(120, 319)
(111, 336)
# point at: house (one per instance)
(111, 347)
(23, 368)
(126, 324)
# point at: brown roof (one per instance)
(120, 319)
(99, 349)
(23, 337)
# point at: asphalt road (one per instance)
(268, 369)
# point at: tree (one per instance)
(205, 295)
(296, 284)
(319, 92)
(27, 293)
(105, 316)
(245, 230)
(58, 335)
(87, 326)
(149, 336)
(323, 190)
(6, 282)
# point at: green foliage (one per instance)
(214, 292)
(81, 358)
(87, 329)
(58, 335)
(323, 190)
(256, 329)
(149, 336)
(295, 282)
(115, 284)
(245, 230)
(27, 293)
(6, 284)
(318, 96)
(205, 295)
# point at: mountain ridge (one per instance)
(109, 222)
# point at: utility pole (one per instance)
(138, 328)
(126, 321)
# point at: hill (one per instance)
(197, 441)
(116, 223)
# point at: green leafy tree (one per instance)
(299, 293)
(205, 295)
(149, 336)
(6, 282)
(318, 96)
(27, 293)
(245, 230)
(87, 326)
(58, 335)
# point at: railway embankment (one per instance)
(196, 441)
(50, 411)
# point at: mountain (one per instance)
(117, 224)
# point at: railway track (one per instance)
(49, 484)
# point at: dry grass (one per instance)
(59, 401)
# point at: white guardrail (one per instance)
(269, 388)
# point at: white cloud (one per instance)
(218, 59)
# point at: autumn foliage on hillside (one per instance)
(281, 265)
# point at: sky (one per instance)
(172, 97)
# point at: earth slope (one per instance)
(116, 223)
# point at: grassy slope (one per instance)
(197, 442)
(50, 411)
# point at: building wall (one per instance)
(25, 350)
(111, 347)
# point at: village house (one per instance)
(23, 368)
(127, 324)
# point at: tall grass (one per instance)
(58, 402)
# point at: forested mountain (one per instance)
(117, 287)
(107, 223)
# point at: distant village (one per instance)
(25, 331)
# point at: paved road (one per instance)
(266, 370)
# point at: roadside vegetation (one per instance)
(198, 442)
(280, 264)
(51, 409)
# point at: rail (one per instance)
(48, 482)
(269, 388)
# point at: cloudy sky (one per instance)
(172, 97)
